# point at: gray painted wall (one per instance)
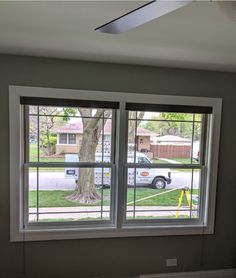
(121, 257)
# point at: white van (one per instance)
(155, 178)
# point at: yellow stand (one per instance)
(183, 191)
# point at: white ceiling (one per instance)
(196, 36)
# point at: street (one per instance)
(56, 180)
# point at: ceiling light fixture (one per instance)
(153, 10)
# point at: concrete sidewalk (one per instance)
(94, 212)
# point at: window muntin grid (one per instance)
(104, 148)
(193, 134)
(136, 164)
(145, 202)
(103, 167)
(42, 180)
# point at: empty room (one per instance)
(118, 139)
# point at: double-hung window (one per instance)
(176, 164)
(98, 164)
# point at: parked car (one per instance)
(151, 177)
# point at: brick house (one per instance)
(69, 138)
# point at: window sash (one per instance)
(40, 165)
(81, 223)
(158, 221)
(205, 123)
(204, 142)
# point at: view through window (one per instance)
(57, 138)
(96, 164)
(164, 164)
(163, 148)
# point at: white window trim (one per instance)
(117, 228)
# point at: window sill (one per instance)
(108, 232)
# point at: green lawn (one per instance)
(42, 158)
(34, 158)
(57, 198)
(180, 160)
(185, 160)
(160, 161)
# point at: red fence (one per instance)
(170, 151)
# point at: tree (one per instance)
(137, 117)
(173, 124)
(86, 191)
(50, 118)
(48, 142)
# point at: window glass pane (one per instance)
(48, 138)
(162, 193)
(197, 142)
(80, 134)
(173, 138)
(72, 138)
(63, 138)
(33, 109)
(33, 139)
(164, 115)
(103, 149)
(132, 130)
(60, 194)
(94, 142)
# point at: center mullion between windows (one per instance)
(102, 195)
(192, 139)
(25, 145)
(135, 156)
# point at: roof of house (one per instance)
(77, 128)
(172, 138)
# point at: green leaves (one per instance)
(67, 112)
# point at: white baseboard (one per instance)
(221, 273)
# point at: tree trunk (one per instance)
(133, 124)
(86, 191)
